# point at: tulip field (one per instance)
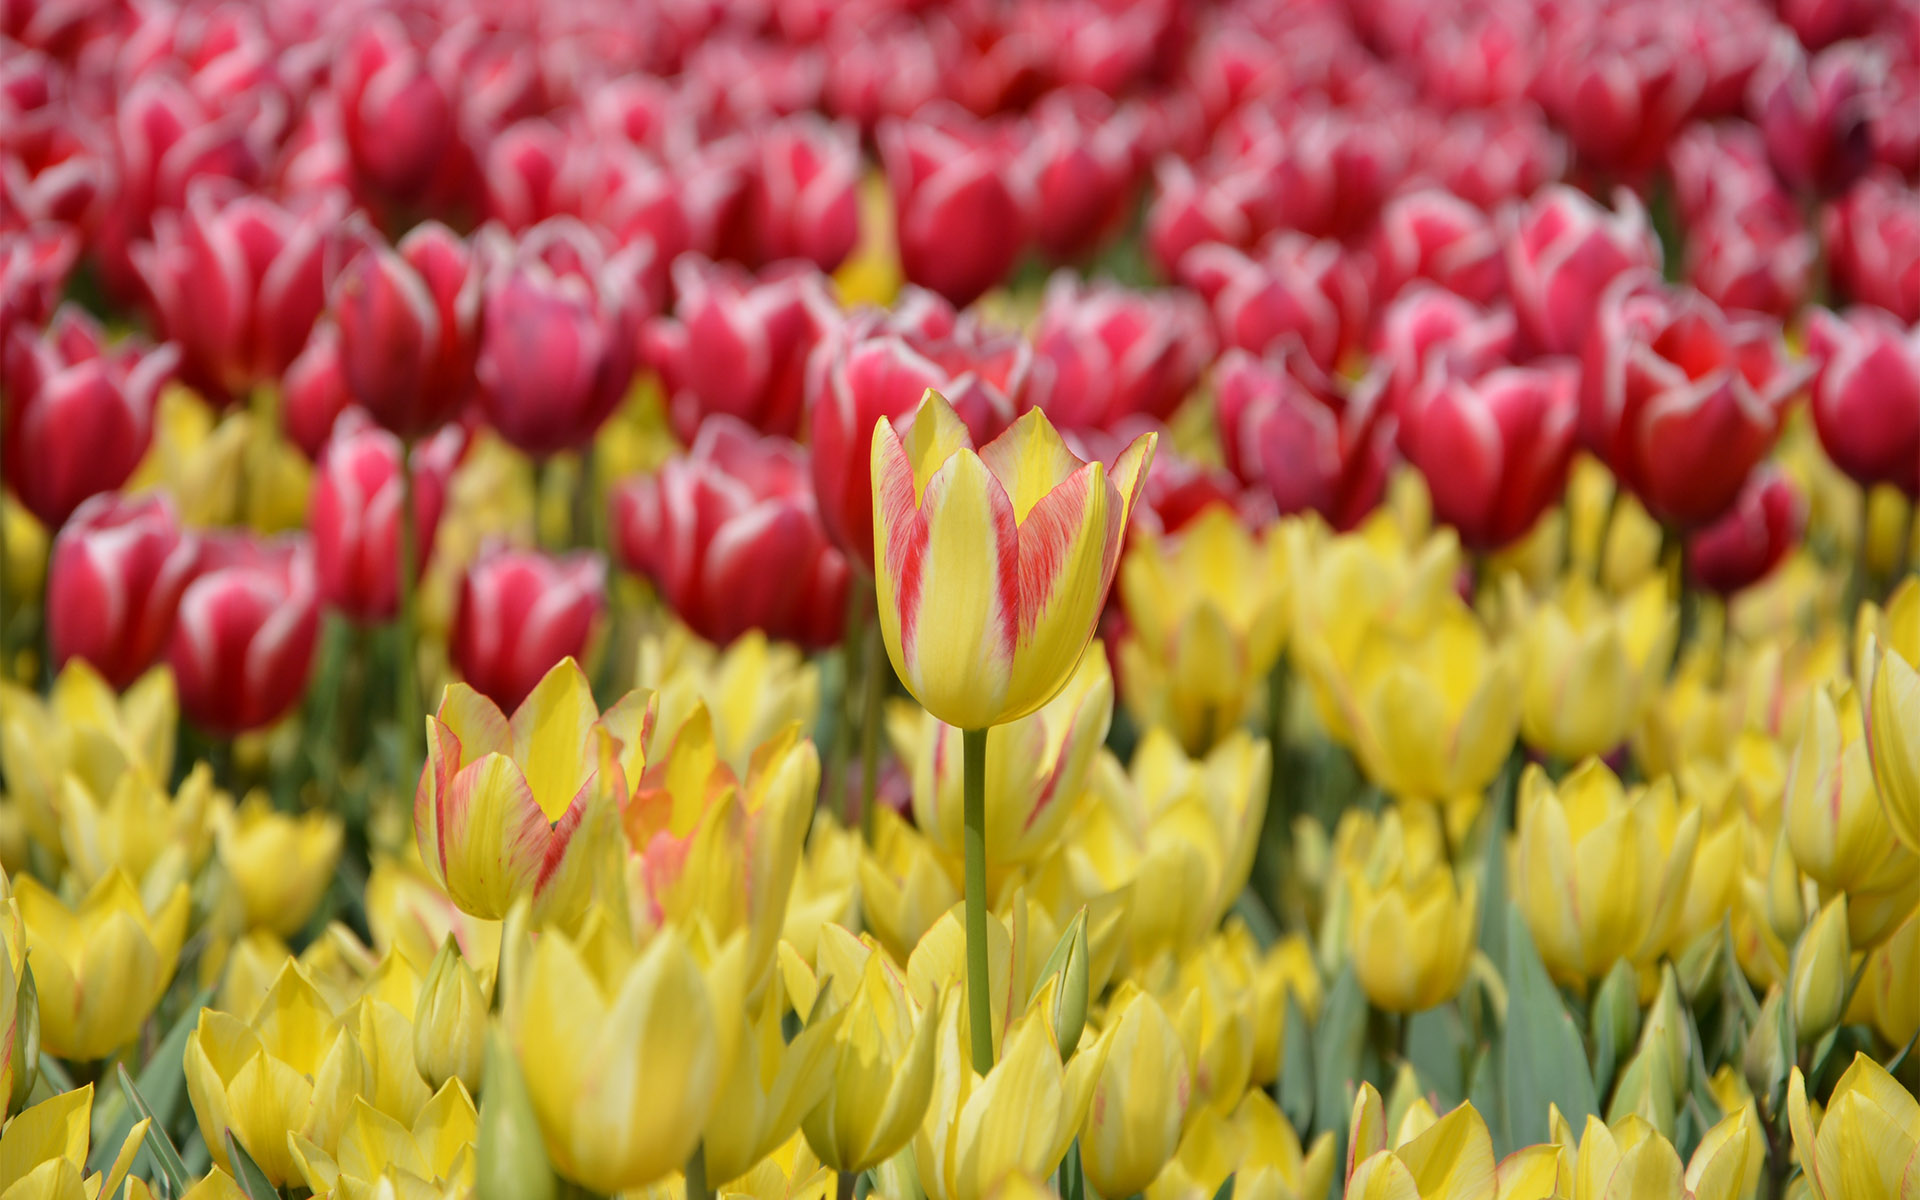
(959, 599)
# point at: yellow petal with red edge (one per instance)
(1453, 1159)
(549, 736)
(1030, 460)
(1062, 585)
(490, 837)
(936, 433)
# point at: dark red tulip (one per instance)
(354, 513)
(409, 323)
(314, 393)
(115, 578)
(1425, 320)
(1293, 289)
(518, 613)
(961, 206)
(1814, 115)
(1082, 169)
(398, 118)
(1312, 445)
(242, 645)
(1563, 253)
(805, 192)
(1744, 546)
(1866, 398)
(1873, 245)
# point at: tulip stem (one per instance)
(407, 706)
(979, 989)
(874, 652)
(697, 1188)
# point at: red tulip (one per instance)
(314, 393)
(1492, 156)
(33, 266)
(1425, 320)
(519, 612)
(242, 645)
(805, 191)
(1866, 398)
(560, 335)
(354, 514)
(1103, 353)
(1681, 400)
(1742, 547)
(1820, 23)
(398, 117)
(1563, 253)
(236, 282)
(1873, 244)
(1178, 489)
(1494, 446)
(1432, 235)
(79, 413)
(1287, 427)
(635, 199)
(960, 206)
(1190, 211)
(1294, 288)
(1481, 56)
(737, 345)
(878, 366)
(526, 173)
(1756, 257)
(408, 320)
(731, 536)
(1082, 171)
(113, 582)
(1621, 85)
(1814, 115)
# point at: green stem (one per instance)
(870, 717)
(834, 778)
(1859, 583)
(407, 707)
(697, 1188)
(979, 988)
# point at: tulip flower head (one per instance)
(992, 565)
(519, 613)
(1866, 1144)
(118, 570)
(244, 638)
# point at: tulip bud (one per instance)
(408, 318)
(314, 393)
(1563, 255)
(23, 1046)
(450, 1021)
(1822, 967)
(1133, 1126)
(355, 514)
(1412, 935)
(399, 120)
(1294, 287)
(1062, 983)
(1764, 1062)
(519, 612)
(1866, 399)
(510, 1159)
(1742, 547)
(961, 206)
(1873, 241)
(118, 569)
(1615, 1016)
(243, 641)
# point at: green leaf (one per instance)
(247, 1173)
(1493, 870)
(1296, 1069)
(1440, 1050)
(1542, 1058)
(163, 1081)
(1615, 1022)
(1338, 1045)
(158, 1141)
(1073, 1175)
(1260, 923)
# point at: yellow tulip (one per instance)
(1413, 929)
(99, 968)
(1690, 719)
(410, 915)
(26, 549)
(826, 883)
(1449, 1159)
(904, 886)
(157, 840)
(1036, 768)
(43, 1154)
(1822, 967)
(791, 1172)
(281, 865)
(753, 688)
(623, 1052)
(872, 273)
(883, 1075)
(1216, 1023)
(1207, 612)
(992, 566)
(432, 1156)
(1257, 1147)
(450, 1021)
(1602, 871)
(1266, 979)
(83, 728)
(236, 469)
(18, 1052)
(1727, 1163)
(1866, 1146)
(1893, 725)
(1590, 665)
(1020, 1117)
(1132, 1127)
(291, 1067)
(773, 1084)
(216, 1185)
(522, 806)
(1896, 626)
(1891, 985)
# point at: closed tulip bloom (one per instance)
(1413, 933)
(69, 381)
(45, 1148)
(1293, 287)
(1103, 353)
(1314, 445)
(961, 204)
(1893, 727)
(408, 320)
(731, 536)
(117, 572)
(313, 392)
(397, 116)
(519, 613)
(100, 966)
(1133, 1125)
(1814, 113)
(1817, 989)
(1892, 983)
(280, 864)
(1756, 256)
(1866, 398)
(1434, 235)
(293, 1068)
(1865, 1145)
(501, 799)
(355, 514)
(622, 1054)
(1425, 323)
(1603, 870)
(243, 641)
(1744, 546)
(1562, 255)
(450, 1021)
(1872, 235)
(805, 198)
(992, 566)
(1591, 666)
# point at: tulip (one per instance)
(1591, 667)
(1891, 984)
(1081, 167)
(1746, 544)
(1667, 369)
(1294, 287)
(519, 613)
(737, 345)
(1036, 769)
(243, 642)
(622, 1054)
(961, 206)
(731, 537)
(1603, 871)
(1563, 254)
(450, 1021)
(33, 265)
(1315, 447)
(878, 367)
(1451, 1156)
(377, 1153)
(904, 884)
(280, 865)
(1756, 256)
(1866, 398)
(1822, 968)
(118, 569)
(1436, 236)
(1892, 733)
(313, 393)
(501, 799)
(804, 199)
(1497, 155)
(1132, 1128)
(1425, 323)
(1495, 449)
(236, 282)
(1621, 90)
(70, 380)
(99, 967)
(1103, 353)
(156, 839)
(45, 1148)
(1813, 113)
(1189, 211)
(398, 118)
(293, 1068)
(751, 690)
(408, 320)
(1413, 933)
(355, 514)
(1866, 1144)
(774, 1083)
(558, 336)
(1873, 241)
(1206, 615)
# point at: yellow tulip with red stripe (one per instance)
(1892, 684)
(1866, 1146)
(992, 564)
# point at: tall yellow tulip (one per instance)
(1132, 1128)
(1893, 713)
(99, 968)
(1413, 926)
(1866, 1146)
(280, 865)
(1589, 666)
